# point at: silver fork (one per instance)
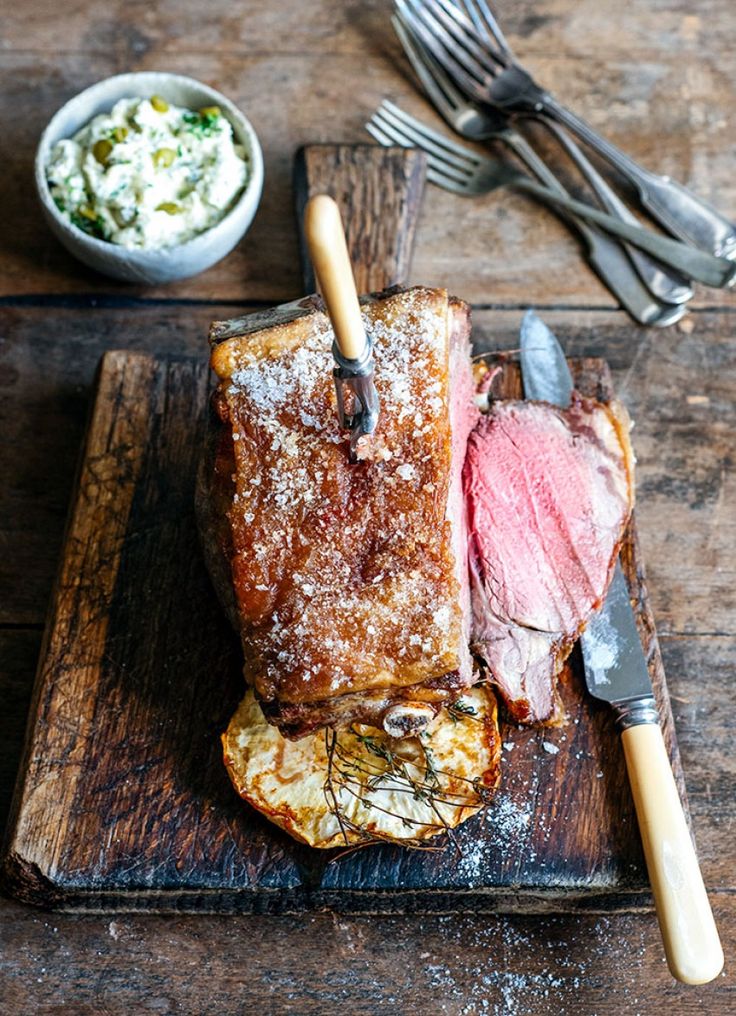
(482, 123)
(665, 285)
(491, 74)
(465, 172)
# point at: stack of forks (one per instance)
(470, 74)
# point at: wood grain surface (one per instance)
(663, 86)
(124, 800)
(658, 78)
(596, 963)
(379, 191)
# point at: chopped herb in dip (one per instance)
(148, 174)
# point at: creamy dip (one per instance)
(148, 174)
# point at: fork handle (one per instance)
(521, 147)
(605, 255)
(610, 260)
(325, 235)
(695, 264)
(680, 211)
(691, 942)
(662, 282)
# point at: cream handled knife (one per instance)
(616, 672)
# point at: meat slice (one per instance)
(348, 583)
(549, 495)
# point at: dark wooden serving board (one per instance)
(123, 801)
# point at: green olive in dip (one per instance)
(149, 174)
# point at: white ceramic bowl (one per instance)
(167, 263)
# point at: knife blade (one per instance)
(616, 672)
(615, 666)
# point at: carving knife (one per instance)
(616, 672)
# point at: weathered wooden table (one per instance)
(660, 79)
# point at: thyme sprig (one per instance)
(360, 776)
(460, 710)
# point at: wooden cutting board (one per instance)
(123, 801)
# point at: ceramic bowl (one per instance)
(167, 263)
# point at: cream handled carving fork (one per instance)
(352, 349)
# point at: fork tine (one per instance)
(381, 137)
(390, 133)
(443, 181)
(465, 158)
(469, 9)
(424, 138)
(444, 56)
(450, 19)
(399, 136)
(485, 22)
(494, 27)
(438, 85)
(437, 172)
(432, 78)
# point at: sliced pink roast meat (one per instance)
(549, 493)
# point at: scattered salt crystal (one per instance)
(552, 749)
(288, 402)
(441, 618)
(509, 745)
